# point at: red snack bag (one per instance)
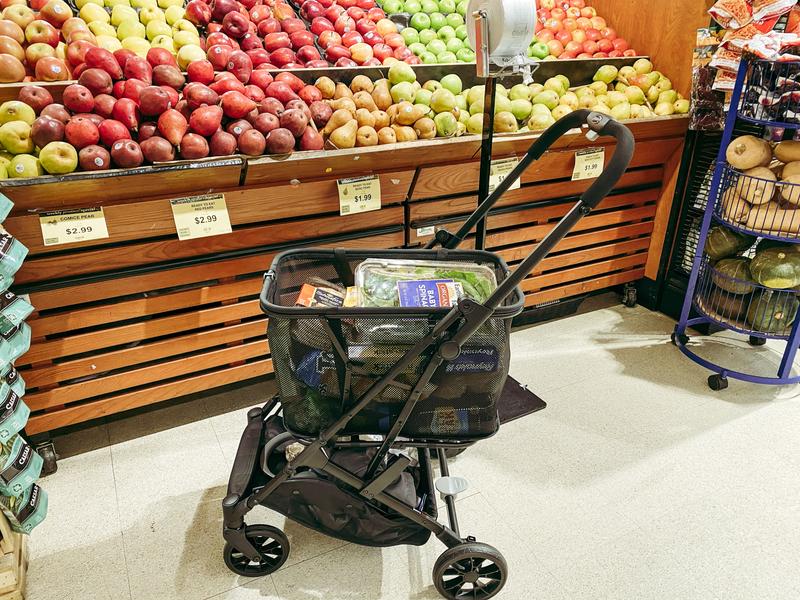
(731, 14)
(793, 22)
(768, 9)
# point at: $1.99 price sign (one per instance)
(500, 170)
(70, 226)
(359, 194)
(200, 216)
(589, 163)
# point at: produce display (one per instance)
(762, 186)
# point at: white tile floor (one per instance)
(636, 482)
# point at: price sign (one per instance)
(589, 163)
(359, 194)
(500, 170)
(70, 226)
(200, 216)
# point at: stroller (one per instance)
(367, 395)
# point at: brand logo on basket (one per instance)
(481, 359)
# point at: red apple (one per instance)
(351, 38)
(235, 24)
(258, 56)
(283, 57)
(41, 31)
(345, 62)
(198, 12)
(382, 52)
(605, 45)
(292, 25)
(301, 38)
(56, 12)
(620, 44)
(81, 132)
(308, 53)
(35, 96)
(76, 52)
(274, 41)
(326, 38)
(260, 12)
(240, 65)
(268, 26)
(343, 24)
(50, 68)
(220, 8)
(218, 37)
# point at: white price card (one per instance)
(500, 169)
(70, 226)
(359, 194)
(200, 216)
(589, 163)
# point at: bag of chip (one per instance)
(14, 309)
(25, 511)
(14, 341)
(14, 413)
(11, 377)
(731, 14)
(5, 206)
(12, 253)
(20, 466)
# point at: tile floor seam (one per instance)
(119, 516)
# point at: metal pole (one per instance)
(486, 157)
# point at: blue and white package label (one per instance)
(429, 293)
(313, 366)
(475, 359)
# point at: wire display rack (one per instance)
(766, 96)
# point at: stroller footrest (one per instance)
(388, 476)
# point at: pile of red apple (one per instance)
(31, 44)
(570, 29)
(125, 111)
(349, 33)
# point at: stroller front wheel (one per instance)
(470, 570)
(271, 543)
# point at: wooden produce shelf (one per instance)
(13, 562)
(141, 317)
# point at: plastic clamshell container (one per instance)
(377, 279)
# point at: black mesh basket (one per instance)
(317, 386)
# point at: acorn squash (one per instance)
(723, 242)
(776, 268)
(772, 313)
(733, 275)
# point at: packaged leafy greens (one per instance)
(20, 466)
(5, 206)
(26, 511)
(14, 412)
(10, 376)
(13, 308)
(12, 253)
(380, 282)
(14, 341)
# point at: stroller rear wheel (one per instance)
(470, 570)
(271, 543)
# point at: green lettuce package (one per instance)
(422, 283)
(5, 206)
(20, 466)
(10, 376)
(14, 341)
(12, 253)
(14, 412)
(13, 308)
(26, 511)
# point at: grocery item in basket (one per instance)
(772, 312)
(378, 278)
(734, 208)
(747, 152)
(757, 185)
(723, 242)
(429, 293)
(776, 268)
(723, 305)
(319, 293)
(769, 9)
(774, 220)
(14, 341)
(25, 511)
(14, 309)
(14, 413)
(733, 275)
(20, 466)
(317, 370)
(12, 253)
(731, 14)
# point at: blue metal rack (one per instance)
(767, 94)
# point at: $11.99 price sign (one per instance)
(70, 226)
(200, 216)
(359, 194)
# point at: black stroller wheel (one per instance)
(270, 542)
(472, 570)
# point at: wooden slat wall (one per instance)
(142, 317)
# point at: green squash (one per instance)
(723, 242)
(724, 306)
(772, 313)
(776, 268)
(766, 243)
(733, 275)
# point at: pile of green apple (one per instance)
(436, 31)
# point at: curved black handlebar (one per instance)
(599, 123)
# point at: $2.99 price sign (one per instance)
(359, 194)
(589, 163)
(70, 226)
(200, 216)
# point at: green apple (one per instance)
(16, 137)
(461, 32)
(455, 20)
(170, 3)
(102, 28)
(122, 12)
(93, 12)
(419, 21)
(174, 14)
(428, 58)
(521, 109)
(410, 35)
(14, 110)
(130, 28)
(452, 82)
(437, 46)
(429, 6)
(417, 48)
(462, 7)
(58, 158)
(443, 100)
(454, 45)
(185, 25)
(155, 28)
(110, 43)
(446, 57)
(426, 36)
(392, 7)
(185, 38)
(466, 55)
(438, 21)
(447, 6)
(164, 41)
(446, 33)
(411, 7)
(138, 46)
(188, 54)
(24, 165)
(520, 92)
(150, 13)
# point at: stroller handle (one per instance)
(597, 122)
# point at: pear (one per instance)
(447, 124)
(520, 92)
(670, 96)
(570, 99)
(401, 72)
(361, 83)
(386, 135)
(643, 66)
(475, 94)
(344, 104)
(425, 128)
(621, 111)
(381, 119)
(635, 95)
(615, 98)
(562, 110)
(338, 118)
(665, 109)
(431, 85)
(606, 74)
(535, 88)
(345, 136)
(402, 91)
(381, 96)
(365, 119)
(475, 124)
(625, 73)
(682, 106)
(404, 133)
(505, 122)
(598, 87)
(366, 136)
(521, 109)
(342, 91)
(363, 99)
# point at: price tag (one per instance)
(359, 194)
(589, 163)
(424, 231)
(70, 226)
(200, 216)
(500, 170)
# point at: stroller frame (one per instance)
(260, 549)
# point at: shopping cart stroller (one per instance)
(362, 390)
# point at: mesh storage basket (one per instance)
(317, 383)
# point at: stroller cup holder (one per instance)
(352, 479)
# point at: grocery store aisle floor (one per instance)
(636, 482)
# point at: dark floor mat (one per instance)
(517, 401)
